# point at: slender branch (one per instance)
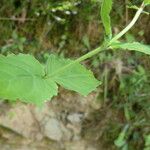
(91, 53)
(84, 57)
(130, 25)
(119, 35)
(104, 46)
(16, 19)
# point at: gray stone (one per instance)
(45, 111)
(20, 119)
(52, 129)
(78, 145)
(75, 118)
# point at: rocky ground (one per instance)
(58, 125)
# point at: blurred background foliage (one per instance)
(71, 28)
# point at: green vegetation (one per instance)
(71, 29)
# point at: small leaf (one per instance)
(135, 46)
(75, 77)
(147, 2)
(121, 141)
(105, 11)
(21, 77)
(147, 140)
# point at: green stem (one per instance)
(103, 47)
(90, 54)
(86, 56)
(130, 25)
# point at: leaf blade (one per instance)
(147, 2)
(21, 77)
(75, 77)
(105, 12)
(135, 46)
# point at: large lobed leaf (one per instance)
(23, 77)
(105, 11)
(75, 77)
(135, 46)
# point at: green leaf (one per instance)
(135, 46)
(120, 141)
(72, 76)
(147, 140)
(147, 2)
(21, 77)
(105, 11)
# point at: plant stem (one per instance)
(16, 19)
(130, 25)
(104, 46)
(86, 56)
(118, 36)
(92, 53)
